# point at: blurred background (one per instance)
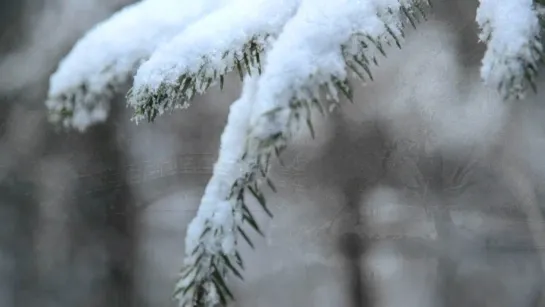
(426, 192)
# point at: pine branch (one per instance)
(205, 274)
(149, 103)
(212, 241)
(71, 110)
(196, 59)
(315, 41)
(511, 30)
(204, 277)
(356, 56)
(100, 63)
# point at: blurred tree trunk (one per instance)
(103, 220)
(19, 205)
(355, 163)
(99, 231)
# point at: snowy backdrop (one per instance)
(424, 193)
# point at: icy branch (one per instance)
(511, 29)
(211, 241)
(232, 37)
(106, 57)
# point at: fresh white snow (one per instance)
(208, 48)
(106, 57)
(308, 53)
(509, 28)
(215, 211)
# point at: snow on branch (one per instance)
(212, 237)
(233, 37)
(511, 30)
(106, 57)
(308, 54)
(309, 59)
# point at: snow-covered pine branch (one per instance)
(304, 48)
(511, 30)
(233, 37)
(310, 57)
(211, 242)
(309, 54)
(105, 58)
